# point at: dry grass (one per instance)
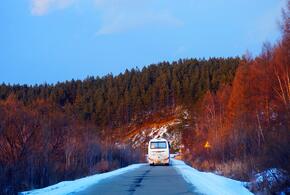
(234, 169)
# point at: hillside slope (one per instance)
(168, 127)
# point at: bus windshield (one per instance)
(158, 145)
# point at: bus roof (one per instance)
(158, 140)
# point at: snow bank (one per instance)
(271, 181)
(209, 183)
(271, 177)
(67, 187)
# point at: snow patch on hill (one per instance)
(164, 131)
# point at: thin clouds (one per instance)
(120, 22)
(116, 15)
(123, 15)
(42, 7)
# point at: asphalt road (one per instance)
(146, 180)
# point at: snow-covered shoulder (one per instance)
(209, 183)
(67, 187)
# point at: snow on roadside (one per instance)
(67, 187)
(209, 183)
(273, 179)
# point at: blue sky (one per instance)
(57, 40)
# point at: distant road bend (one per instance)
(143, 180)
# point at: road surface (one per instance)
(143, 179)
(146, 180)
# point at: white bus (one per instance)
(158, 152)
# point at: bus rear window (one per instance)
(158, 145)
